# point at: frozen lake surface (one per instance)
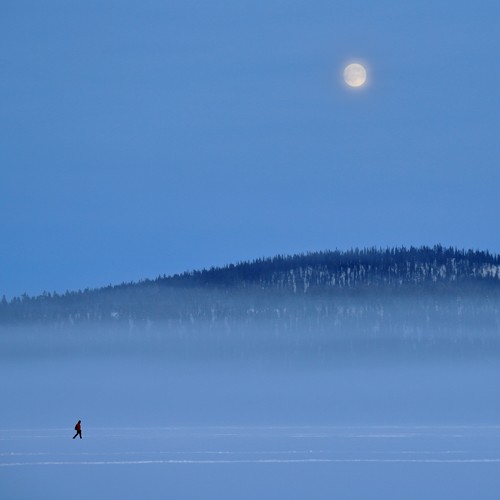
(253, 462)
(212, 429)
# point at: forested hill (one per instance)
(350, 269)
(274, 286)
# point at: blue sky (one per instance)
(146, 137)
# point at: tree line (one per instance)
(325, 287)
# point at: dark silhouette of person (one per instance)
(78, 429)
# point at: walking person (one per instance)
(78, 429)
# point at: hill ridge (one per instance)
(276, 285)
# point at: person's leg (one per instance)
(80, 432)
(75, 435)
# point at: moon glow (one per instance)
(355, 75)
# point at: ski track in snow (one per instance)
(259, 461)
(375, 444)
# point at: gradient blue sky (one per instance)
(146, 137)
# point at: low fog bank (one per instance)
(245, 324)
(153, 392)
(161, 377)
(311, 361)
(264, 340)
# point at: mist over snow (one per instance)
(288, 377)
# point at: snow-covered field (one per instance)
(253, 462)
(154, 428)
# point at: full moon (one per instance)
(355, 75)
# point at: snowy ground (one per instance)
(253, 462)
(153, 428)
